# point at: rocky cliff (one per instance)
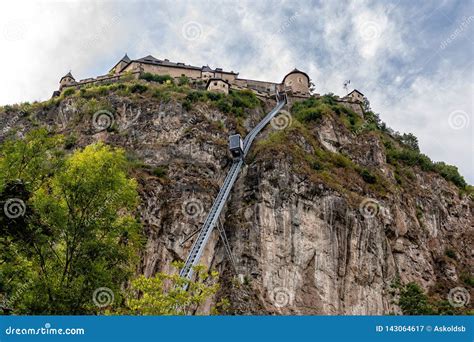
(327, 217)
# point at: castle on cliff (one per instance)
(296, 83)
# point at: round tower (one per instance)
(66, 80)
(298, 81)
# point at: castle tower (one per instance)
(298, 81)
(117, 68)
(66, 81)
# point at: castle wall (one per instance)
(163, 70)
(256, 85)
(228, 77)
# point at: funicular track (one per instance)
(212, 218)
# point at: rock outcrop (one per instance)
(305, 240)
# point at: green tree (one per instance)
(79, 232)
(414, 301)
(166, 294)
(411, 141)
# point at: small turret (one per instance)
(66, 81)
(117, 68)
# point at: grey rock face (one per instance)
(301, 246)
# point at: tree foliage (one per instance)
(170, 294)
(77, 232)
(413, 300)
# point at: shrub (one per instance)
(450, 253)
(69, 91)
(329, 98)
(450, 173)
(196, 96)
(159, 171)
(367, 176)
(70, 141)
(412, 157)
(413, 300)
(310, 114)
(183, 80)
(215, 96)
(138, 88)
(156, 78)
(187, 105)
(224, 106)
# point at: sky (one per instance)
(413, 60)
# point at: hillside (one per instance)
(334, 213)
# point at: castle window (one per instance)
(215, 83)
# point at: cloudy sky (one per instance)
(414, 60)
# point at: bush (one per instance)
(412, 157)
(70, 141)
(69, 91)
(329, 98)
(138, 88)
(215, 96)
(450, 253)
(156, 78)
(367, 176)
(450, 173)
(310, 114)
(196, 96)
(183, 80)
(413, 300)
(224, 106)
(159, 171)
(187, 105)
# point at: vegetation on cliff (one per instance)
(71, 229)
(80, 230)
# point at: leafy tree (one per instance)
(78, 230)
(31, 159)
(413, 300)
(411, 141)
(166, 294)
